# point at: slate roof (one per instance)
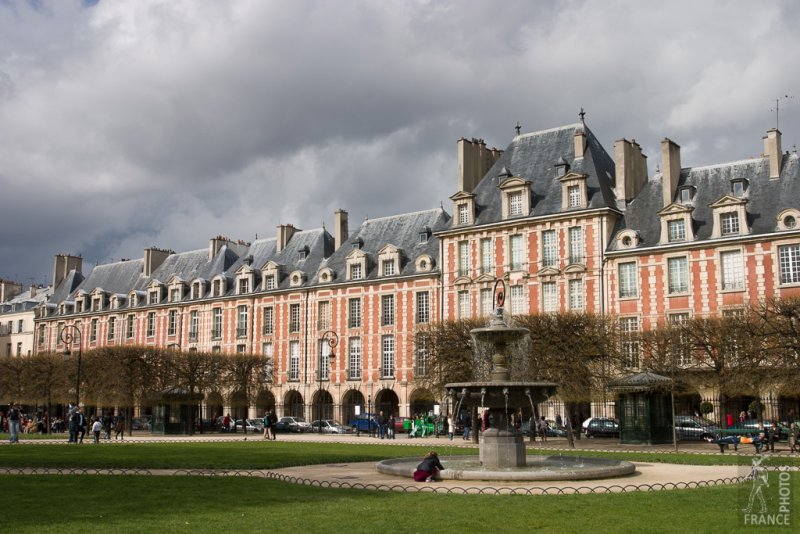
(766, 198)
(534, 157)
(24, 301)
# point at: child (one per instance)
(96, 428)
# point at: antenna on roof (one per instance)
(518, 127)
(256, 235)
(776, 109)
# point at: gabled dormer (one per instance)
(271, 275)
(676, 223)
(356, 262)
(118, 300)
(389, 261)
(219, 286)
(515, 194)
(81, 301)
(155, 292)
(136, 298)
(245, 279)
(729, 216)
(176, 288)
(99, 299)
(464, 208)
(199, 287)
(574, 194)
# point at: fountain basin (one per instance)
(537, 468)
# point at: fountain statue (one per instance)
(502, 447)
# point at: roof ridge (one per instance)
(726, 164)
(550, 130)
(407, 214)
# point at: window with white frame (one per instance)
(354, 358)
(194, 325)
(576, 244)
(356, 271)
(217, 288)
(463, 214)
(517, 300)
(463, 258)
(387, 360)
(175, 295)
(729, 223)
(576, 297)
(423, 355)
(678, 275)
(574, 196)
(41, 334)
(269, 321)
(628, 285)
(732, 272)
(388, 267)
(680, 350)
(323, 359)
(463, 305)
(686, 194)
(487, 302)
(172, 322)
(244, 286)
(354, 313)
(130, 326)
(268, 350)
(112, 327)
(515, 203)
(676, 230)
(216, 323)
(515, 243)
(387, 310)
(549, 297)
(423, 307)
(629, 326)
(549, 248)
(294, 318)
(486, 256)
(93, 330)
(789, 263)
(294, 361)
(155, 296)
(323, 315)
(269, 281)
(241, 321)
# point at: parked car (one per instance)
(292, 424)
(754, 426)
(250, 425)
(553, 430)
(600, 427)
(141, 423)
(364, 423)
(328, 426)
(692, 427)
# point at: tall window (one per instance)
(517, 300)
(515, 243)
(268, 349)
(423, 307)
(487, 301)
(576, 298)
(175, 295)
(151, 324)
(388, 267)
(549, 248)
(354, 358)
(515, 204)
(729, 223)
(629, 326)
(627, 280)
(41, 334)
(129, 326)
(463, 214)
(216, 323)
(241, 321)
(194, 325)
(387, 310)
(172, 322)
(423, 355)
(789, 262)
(463, 258)
(154, 297)
(574, 196)
(294, 360)
(354, 313)
(676, 230)
(324, 315)
(486, 256)
(549, 297)
(463, 305)
(294, 318)
(323, 359)
(244, 285)
(355, 271)
(681, 352)
(269, 321)
(576, 244)
(678, 272)
(387, 361)
(732, 273)
(112, 327)
(93, 330)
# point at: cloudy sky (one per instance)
(126, 124)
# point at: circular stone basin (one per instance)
(553, 467)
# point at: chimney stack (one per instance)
(579, 140)
(340, 229)
(474, 161)
(670, 169)
(153, 258)
(64, 263)
(9, 290)
(285, 233)
(630, 169)
(772, 150)
(216, 243)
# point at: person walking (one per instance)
(14, 424)
(266, 425)
(381, 424)
(543, 429)
(119, 427)
(467, 426)
(96, 428)
(273, 419)
(81, 425)
(390, 422)
(451, 427)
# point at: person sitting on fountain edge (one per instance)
(429, 468)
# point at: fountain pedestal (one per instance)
(502, 448)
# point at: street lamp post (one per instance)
(369, 414)
(68, 333)
(330, 338)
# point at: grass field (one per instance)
(87, 503)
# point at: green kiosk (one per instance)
(644, 408)
(171, 415)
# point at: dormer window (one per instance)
(356, 272)
(424, 235)
(196, 290)
(686, 194)
(787, 219)
(729, 223)
(573, 191)
(676, 223)
(516, 196)
(561, 167)
(387, 266)
(463, 214)
(676, 230)
(270, 281)
(729, 217)
(244, 286)
(574, 196)
(175, 294)
(154, 297)
(738, 187)
(217, 288)
(302, 253)
(357, 243)
(515, 204)
(464, 208)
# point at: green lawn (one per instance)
(88, 503)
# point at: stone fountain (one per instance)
(502, 449)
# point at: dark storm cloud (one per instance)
(128, 124)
